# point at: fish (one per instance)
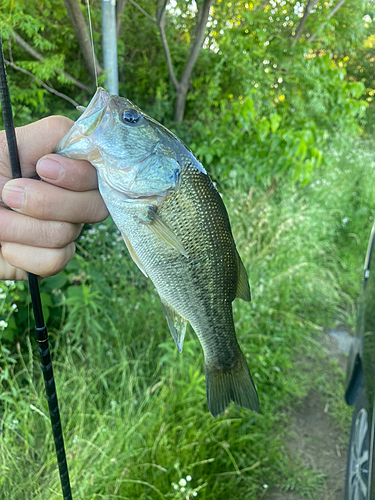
(176, 229)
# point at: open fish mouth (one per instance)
(85, 126)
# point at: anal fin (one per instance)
(177, 324)
(133, 255)
(243, 287)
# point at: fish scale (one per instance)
(177, 230)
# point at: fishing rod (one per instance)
(40, 327)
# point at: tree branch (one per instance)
(83, 37)
(39, 57)
(198, 42)
(161, 24)
(335, 9)
(50, 89)
(309, 7)
(120, 8)
(160, 11)
(331, 14)
(143, 11)
(181, 85)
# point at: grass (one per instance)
(134, 411)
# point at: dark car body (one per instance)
(360, 390)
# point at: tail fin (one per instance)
(225, 386)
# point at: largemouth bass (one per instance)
(176, 229)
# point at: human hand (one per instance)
(37, 234)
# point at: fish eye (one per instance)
(130, 116)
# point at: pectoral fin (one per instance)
(133, 255)
(164, 232)
(243, 288)
(176, 323)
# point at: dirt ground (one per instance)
(314, 438)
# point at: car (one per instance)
(360, 390)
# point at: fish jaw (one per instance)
(78, 142)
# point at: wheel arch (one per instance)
(354, 379)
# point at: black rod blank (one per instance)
(40, 327)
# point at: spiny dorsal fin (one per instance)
(243, 287)
(164, 232)
(177, 324)
(133, 255)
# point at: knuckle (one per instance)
(61, 123)
(58, 262)
(96, 210)
(57, 234)
(10, 253)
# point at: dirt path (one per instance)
(313, 437)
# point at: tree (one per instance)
(252, 100)
(83, 37)
(181, 84)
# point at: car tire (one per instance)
(357, 466)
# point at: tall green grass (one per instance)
(134, 410)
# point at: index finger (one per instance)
(34, 141)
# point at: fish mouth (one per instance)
(84, 127)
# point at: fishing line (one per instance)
(40, 327)
(92, 42)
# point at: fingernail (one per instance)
(49, 169)
(14, 196)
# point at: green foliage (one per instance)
(256, 102)
(271, 107)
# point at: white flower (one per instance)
(175, 487)
(188, 478)
(14, 306)
(3, 324)
(2, 296)
(345, 220)
(182, 490)
(265, 486)
(182, 482)
(195, 494)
